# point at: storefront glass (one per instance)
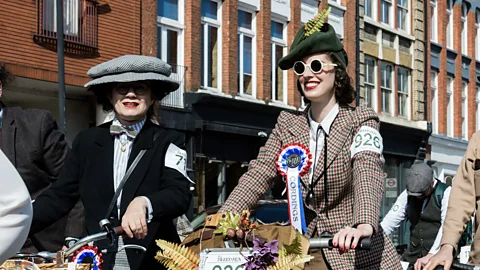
(395, 167)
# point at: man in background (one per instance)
(30, 139)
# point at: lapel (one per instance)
(339, 131)
(104, 164)
(299, 127)
(9, 131)
(143, 141)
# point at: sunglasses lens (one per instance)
(316, 66)
(299, 68)
(140, 89)
(122, 90)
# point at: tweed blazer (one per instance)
(355, 185)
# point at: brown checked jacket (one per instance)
(355, 185)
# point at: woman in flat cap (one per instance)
(330, 155)
(156, 191)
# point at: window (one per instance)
(370, 83)
(450, 24)
(169, 32)
(369, 8)
(403, 92)
(477, 36)
(170, 44)
(168, 9)
(402, 15)
(433, 21)
(279, 49)
(450, 106)
(404, 44)
(386, 10)
(464, 111)
(387, 87)
(370, 32)
(246, 59)
(79, 23)
(434, 101)
(464, 29)
(211, 64)
(388, 40)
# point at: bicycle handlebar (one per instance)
(459, 266)
(327, 242)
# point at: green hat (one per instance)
(315, 37)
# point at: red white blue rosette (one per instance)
(294, 160)
(89, 252)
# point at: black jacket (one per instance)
(32, 142)
(88, 174)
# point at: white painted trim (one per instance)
(170, 22)
(421, 125)
(388, 28)
(334, 4)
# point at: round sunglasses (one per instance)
(316, 66)
(138, 89)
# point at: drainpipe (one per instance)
(357, 51)
(61, 69)
(425, 59)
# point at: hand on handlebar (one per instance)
(443, 257)
(423, 261)
(134, 221)
(348, 237)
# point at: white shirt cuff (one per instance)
(150, 209)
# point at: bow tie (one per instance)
(117, 130)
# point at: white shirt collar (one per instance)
(326, 123)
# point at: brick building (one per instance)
(454, 81)
(94, 31)
(234, 90)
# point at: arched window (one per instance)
(464, 29)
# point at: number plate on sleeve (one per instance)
(223, 259)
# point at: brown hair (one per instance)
(344, 91)
(5, 75)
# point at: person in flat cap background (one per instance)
(343, 190)
(424, 203)
(156, 192)
(30, 139)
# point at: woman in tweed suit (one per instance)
(342, 193)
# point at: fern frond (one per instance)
(290, 261)
(296, 246)
(173, 256)
(316, 24)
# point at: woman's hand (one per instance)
(348, 237)
(134, 222)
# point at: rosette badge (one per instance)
(294, 160)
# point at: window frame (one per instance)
(382, 87)
(390, 12)
(434, 97)
(373, 9)
(449, 37)
(251, 33)
(407, 93)
(464, 113)
(450, 107)
(283, 43)
(372, 85)
(206, 24)
(464, 37)
(407, 17)
(434, 21)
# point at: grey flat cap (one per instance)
(419, 178)
(131, 68)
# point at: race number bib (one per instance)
(176, 158)
(223, 259)
(367, 139)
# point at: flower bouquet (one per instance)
(259, 247)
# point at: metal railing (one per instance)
(175, 99)
(79, 24)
